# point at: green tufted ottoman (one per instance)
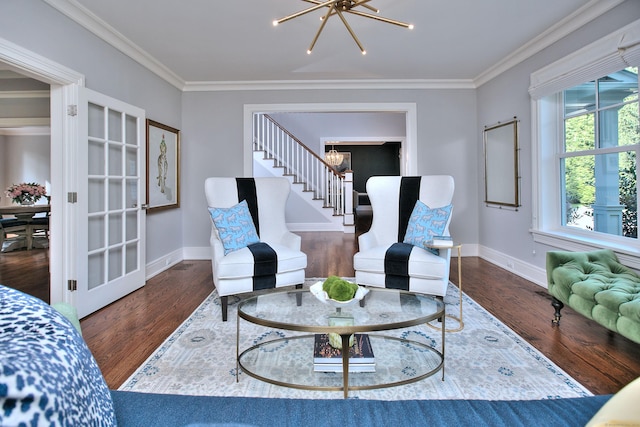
(597, 286)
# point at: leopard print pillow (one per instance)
(48, 375)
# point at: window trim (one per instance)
(609, 54)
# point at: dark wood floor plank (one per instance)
(124, 334)
(27, 271)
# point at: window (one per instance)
(597, 159)
(585, 147)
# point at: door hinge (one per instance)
(72, 197)
(72, 110)
(72, 285)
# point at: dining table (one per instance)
(24, 213)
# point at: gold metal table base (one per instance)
(450, 316)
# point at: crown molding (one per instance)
(85, 18)
(577, 19)
(327, 84)
(16, 122)
(107, 33)
(24, 94)
(26, 131)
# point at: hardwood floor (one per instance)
(27, 271)
(123, 334)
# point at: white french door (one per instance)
(111, 183)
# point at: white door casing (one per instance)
(64, 128)
(69, 168)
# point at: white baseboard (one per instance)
(197, 253)
(163, 263)
(307, 226)
(525, 270)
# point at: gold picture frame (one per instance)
(501, 172)
(163, 167)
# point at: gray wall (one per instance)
(507, 96)
(34, 25)
(311, 127)
(213, 138)
(24, 158)
(449, 124)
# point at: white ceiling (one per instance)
(235, 41)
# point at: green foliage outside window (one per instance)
(579, 170)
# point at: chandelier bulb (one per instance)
(410, 26)
(275, 22)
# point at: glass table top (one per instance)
(299, 310)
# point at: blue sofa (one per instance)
(49, 377)
(143, 409)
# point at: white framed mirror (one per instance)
(501, 174)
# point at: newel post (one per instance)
(348, 199)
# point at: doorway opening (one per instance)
(63, 92)
(25, 157)
(314, 124)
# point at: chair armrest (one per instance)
(444, 253)
(217, 248)
(292, 240)
(367, 240)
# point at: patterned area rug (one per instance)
(486, 360)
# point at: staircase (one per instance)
(315, 184)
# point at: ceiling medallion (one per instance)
(340, 7)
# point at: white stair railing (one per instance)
(305, 166)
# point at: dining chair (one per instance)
(12, 226)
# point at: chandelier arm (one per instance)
(356, 4)
(335, 8)
(362, 3)
(380, 18)
(322, 24)
(353, 35)
(303, 12)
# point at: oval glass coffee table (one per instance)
(289, 361)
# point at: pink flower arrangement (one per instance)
(26, 192)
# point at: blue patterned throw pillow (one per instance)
(425, 223)
(235, 226)
(48, 376)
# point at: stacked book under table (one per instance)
(329, 359)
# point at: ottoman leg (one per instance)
(557, 304)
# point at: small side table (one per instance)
(450, 316)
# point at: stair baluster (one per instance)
(304, 165)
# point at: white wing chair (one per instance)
(383, 260)
(276, 260)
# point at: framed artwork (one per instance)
(501, 173)
(163, 167)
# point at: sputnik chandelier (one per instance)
(340, 7)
